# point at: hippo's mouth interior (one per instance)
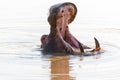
(63, 18)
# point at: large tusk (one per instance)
(81, 48)
(78, 51)
(97, 45)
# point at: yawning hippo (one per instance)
(60, 39)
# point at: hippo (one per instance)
(60, 38)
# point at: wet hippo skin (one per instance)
(60, 38)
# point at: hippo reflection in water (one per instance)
(60, 39)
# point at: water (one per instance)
(23, 22)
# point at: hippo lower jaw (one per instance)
(82, 51)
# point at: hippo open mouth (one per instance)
(60, 39)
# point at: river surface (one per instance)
(23, 22)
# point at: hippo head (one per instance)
(60, 39)
(60, 15)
